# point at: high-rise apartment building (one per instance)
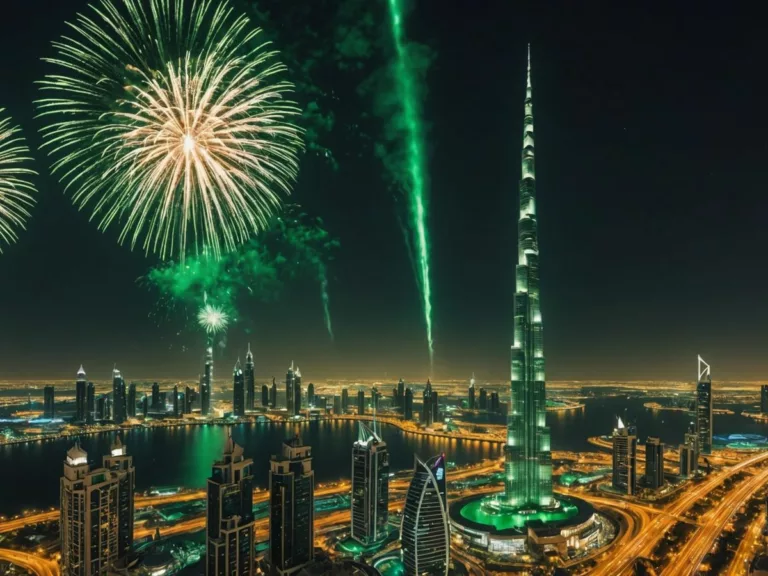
(90, 403)
(265, 395)
(238, 387)
(156, 397)
(624, 459)
(230, 535)
(120, 466)
(425, 530)
(654, 463)
(360, 402)
(408, 405)
(336, 405)
(189, 399)
(704, 408)
(471, 394)
(206, 383)
(370, 486)
(250, 382)
(49, 402)
(483, 400)
(292, 510)
(290, 394)
(400, 397)
(427, 406)
(119, 413)
(297, 392)
(81, 403)
(310, 395)
(344, 399)
(131, 402)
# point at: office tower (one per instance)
(238, 387)
(483, 400)
(90, 403)
(427, 409)
(471, 394)
(336, 405)
(273, 395)
(292, 510)
(229, 523)
(250, 383)
(145, 405)
(528, 461)
(764, 399)
(687, 461)
(81, 403)
(654, 463)
(264, 395)
(155, 396)
(425, 531)
(119, 413)
(624, 459)
(310, 395)
(48, 402)
(131, 402)
(704, 408)
(290, 395)
(96, 515)
(692, 442)
(104, 408)
(400, 402)
(370, 486)
(435, 408)
(176, 407)
(495, 405)
(189, 397)
(297, 392)
(374, 399)
(360, 402)
(121, 469)
(408, 406)
(344, 400)
(206, 384)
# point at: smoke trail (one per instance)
(326, 299)
(416, 190)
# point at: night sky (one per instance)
(651, 171)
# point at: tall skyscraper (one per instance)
(400, 402)
(494, 404)
(336, 405)
(704, 408)
(374, 398)
(292, 510)
(290, 395)
(229, 523)
(624, 459)
(471, 394)
(408, 406)
(297, 392)
(119, 413)
(425, 530)
(483, 400)
(238, 387)
(370, 486)
(176, 407)
(273, 395)
(427, 407)
(81, 403)
(435, 408)
(250, 382)
(90, 403)
(764, 398)
(155, 396)
(344, 399)
(104, 408)
(189, 398)
(310, 395)
(264, 395)
(120, 466)
(528, 466)
(654, 463)
(131, 402)
(145, 405)
(360, 402)
(206, 384)
(96, 514)
(692, 442)
(49, 402)
(687, 461)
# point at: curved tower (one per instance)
(528, 467)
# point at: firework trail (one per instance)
(15, 188)
(167, 118)
(326, 299)
(417, 188)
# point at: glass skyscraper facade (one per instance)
(370, 486)
(704, 408)
(528, 466)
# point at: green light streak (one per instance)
(326, 299)
(416, 171)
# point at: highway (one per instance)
(740, 564)
(35, 564)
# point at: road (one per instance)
(740, 564)
(35, 564)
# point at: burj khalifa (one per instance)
(528, 466)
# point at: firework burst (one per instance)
(15, 188)
(167, 118)
(212, 319)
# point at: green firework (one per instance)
(417, 185)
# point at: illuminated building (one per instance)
(370, 486)
(49, 402)
(471, 394)
(96, 525)
(119, 413)
(155, 396)
(764, 398)
(495, 405)
(483, 401)
(131, 403)
(427, 406)
(90, 402)
(290, 379)
(360, 402)
(206, 383)
(145, 405)
(654, 463)
(238, 387)
(337, 405)
(189, 398)
(310, 395)
(250, 382)
(81, 405)
(704, 408)
(400, 402)
(230, 535)
(692, 443)
(103, 408)
(435, 407)
(425, 530)
(374, 398)
(273, 394)
(292, 510)
(624, 459)
(687, 461)
(344, 399)
(264, 395)
(176, 407)
(408, 405)
(120, 466)
(297, 392)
